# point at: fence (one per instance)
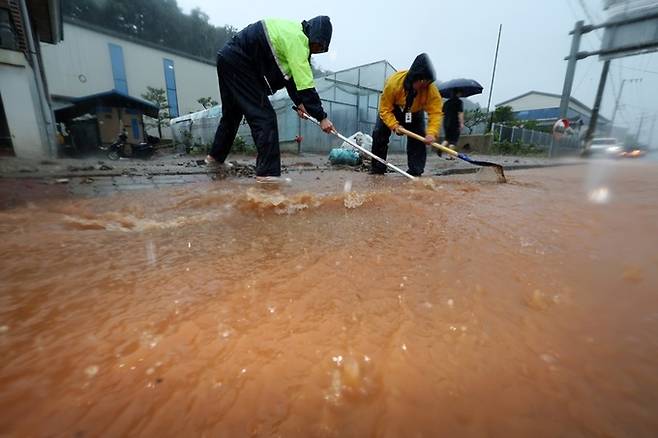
(544, 140)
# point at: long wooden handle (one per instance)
(441, 147)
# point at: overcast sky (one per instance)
(460, 37)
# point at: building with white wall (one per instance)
(94, 60)
(27, 126)
(545, 108)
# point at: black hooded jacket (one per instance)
(421, 69)
(318, 30)
(252, 47)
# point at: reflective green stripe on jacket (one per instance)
(291, 50)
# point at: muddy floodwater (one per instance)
(340, 305)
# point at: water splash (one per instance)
(600, 195)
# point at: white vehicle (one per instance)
(609, 147)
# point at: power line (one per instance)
(641, 70)
(645, 109)
(585, 76)
(587, 14)
(578, 18)
(589, 17)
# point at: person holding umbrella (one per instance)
(453, 108)
(453, 119)
(407, 94)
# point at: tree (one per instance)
(503, 114)
(207, 102)
(157, 21)
(474, 118)
(159, 98)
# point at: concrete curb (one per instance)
(285, 169)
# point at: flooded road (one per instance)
(343, 306)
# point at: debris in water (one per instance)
(91, 371)
(538, 300)
(4, 328)
(451, 303)
(548, 358)
(404, 347)
(350, 378)
(351, 371)
(62, 181)
(633, 274)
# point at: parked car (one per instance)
(605, 146)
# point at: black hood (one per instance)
(421, 69)
(318, 30)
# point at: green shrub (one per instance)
(241, 147)
(516, 148)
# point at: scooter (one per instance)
(122, 149)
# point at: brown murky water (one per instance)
(452, 308)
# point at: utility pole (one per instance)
(493, 77)
(639, 128)
(651, 133)
(597, 104)
(577, 33)
(614, 112)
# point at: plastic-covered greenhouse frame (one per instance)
(350, 97)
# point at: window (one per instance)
(6, 147)
(118, 68)
(7, 31)
(170, 80)
(135, 126)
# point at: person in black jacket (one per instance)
(265, 57)
(453, 119)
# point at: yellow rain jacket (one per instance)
(428, 100)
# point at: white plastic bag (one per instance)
(363, 140)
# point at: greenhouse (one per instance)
(350, 98)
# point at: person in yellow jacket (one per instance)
(407, 95)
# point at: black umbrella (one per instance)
(468, 87)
